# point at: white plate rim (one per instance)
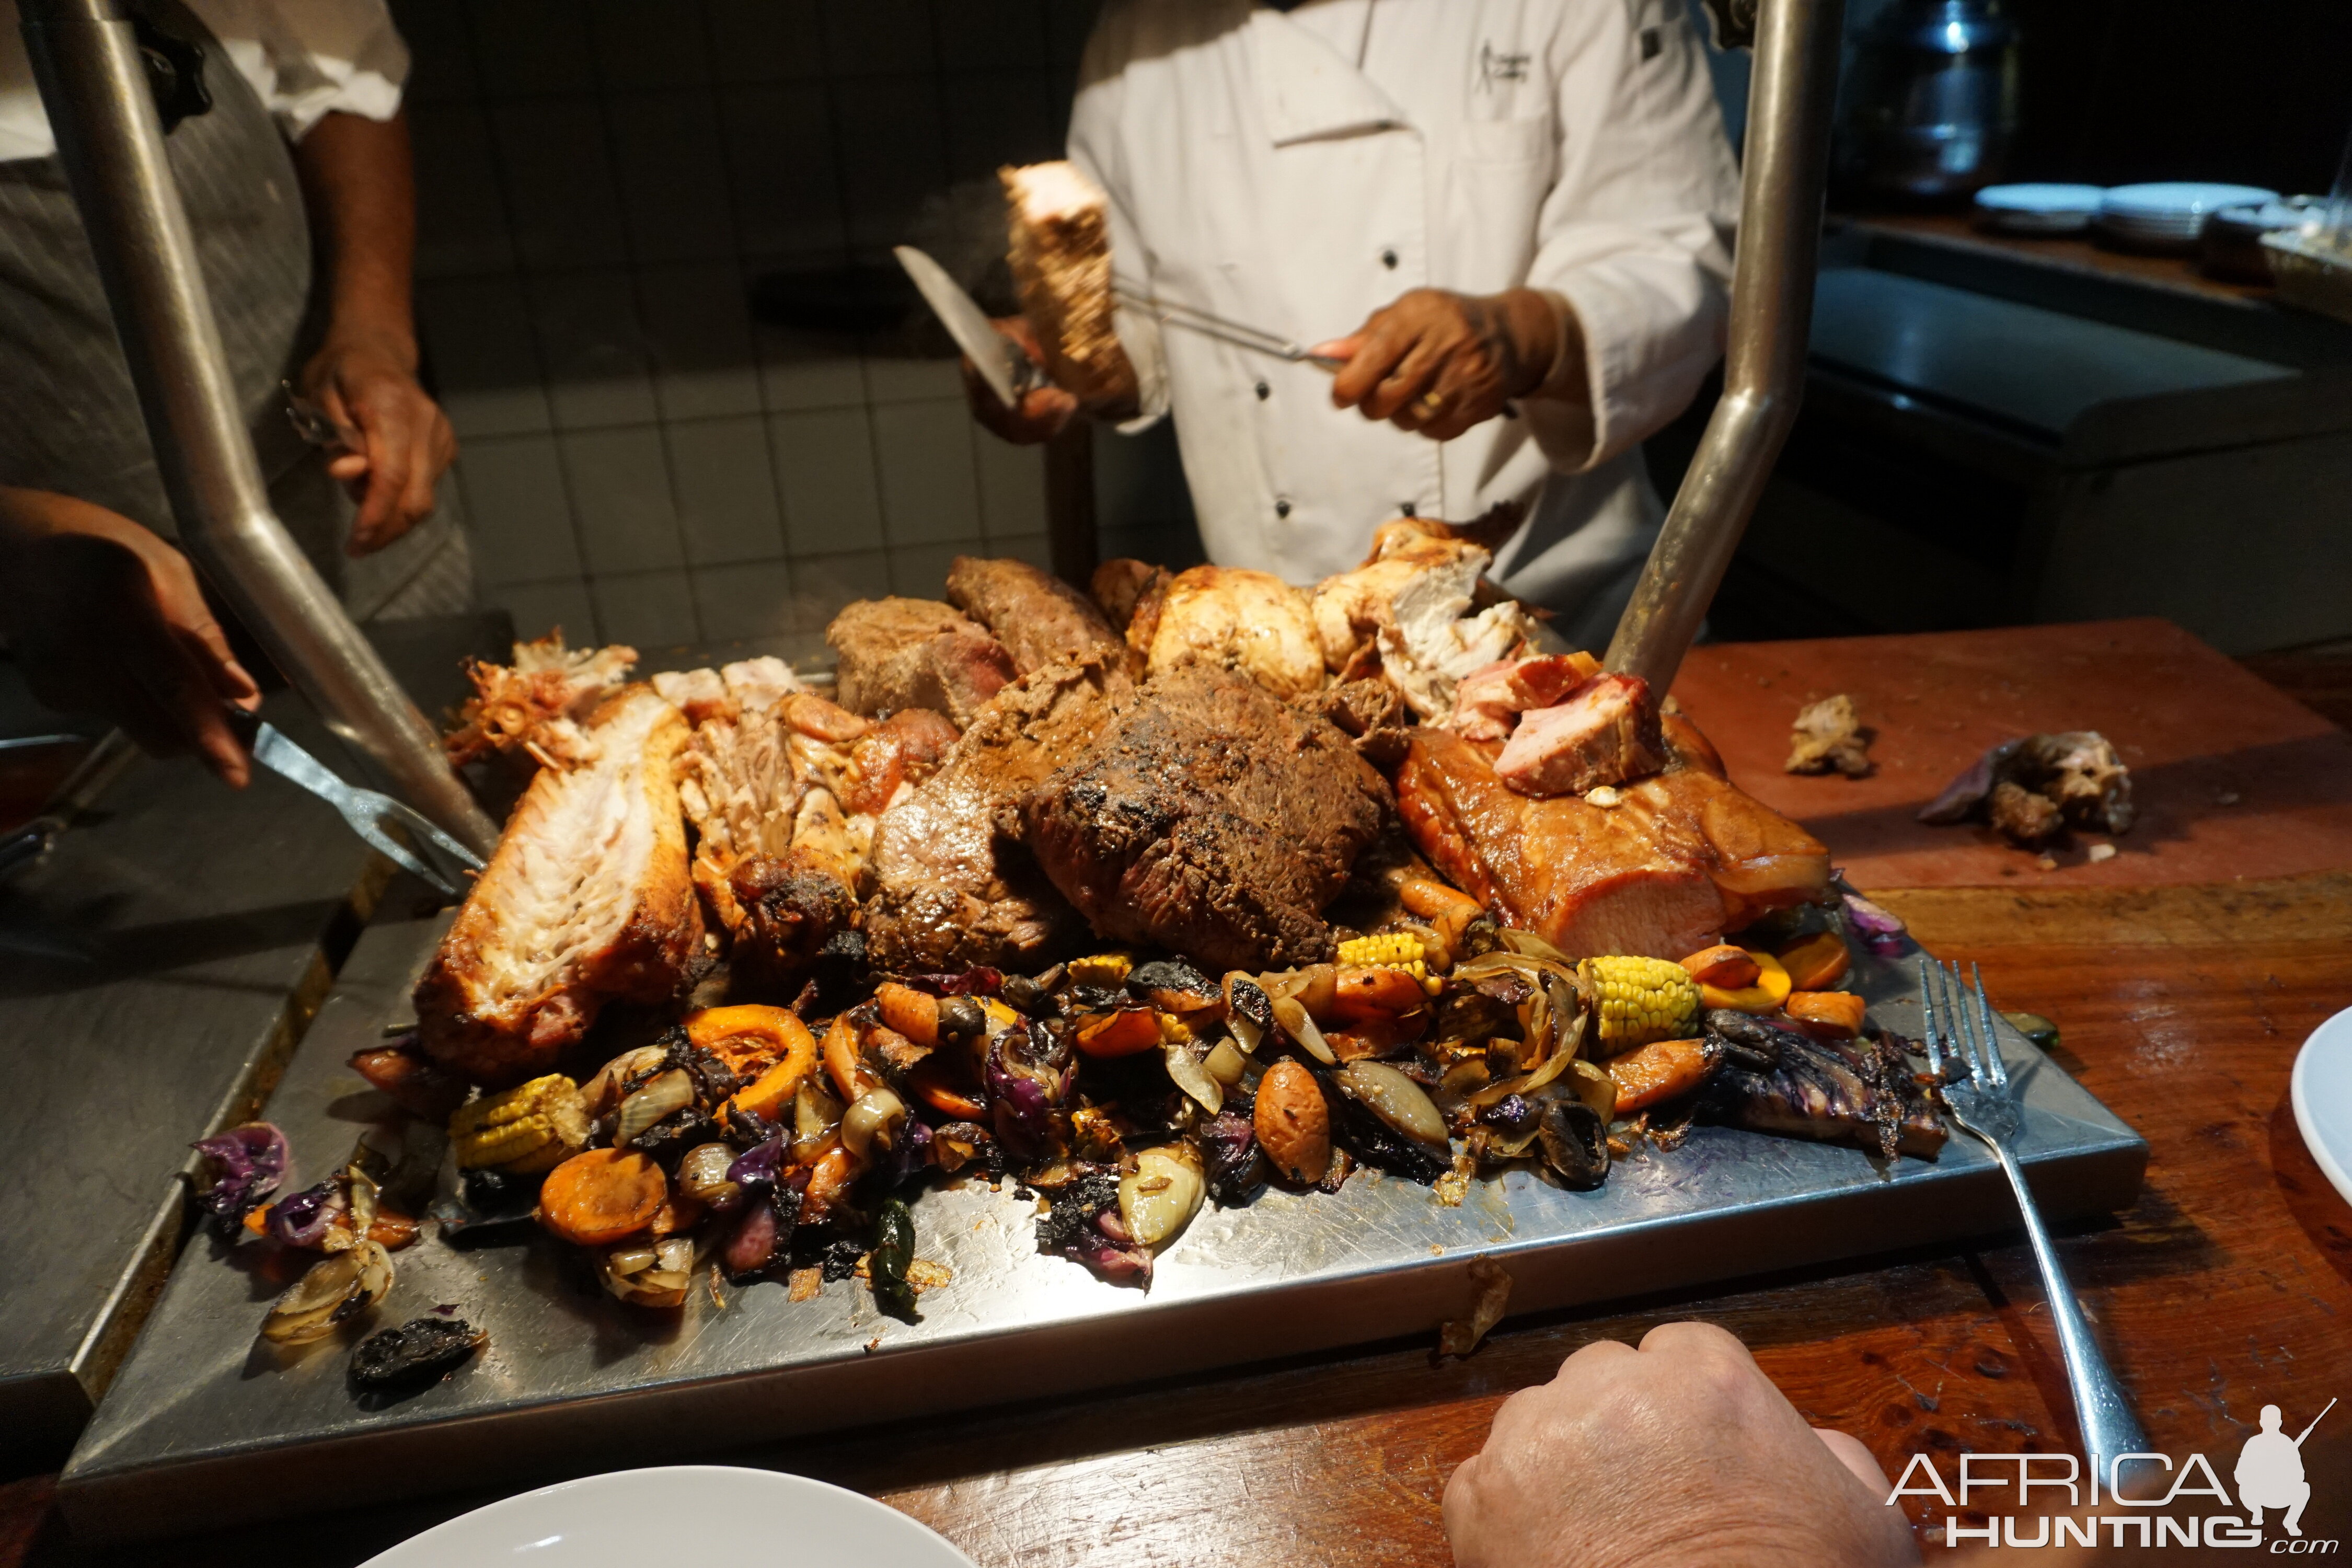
(2298, 1093)
(2140, 201)
(2047, 203)
(449, 1534)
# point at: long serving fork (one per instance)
(367, 812)
(1982, 1102)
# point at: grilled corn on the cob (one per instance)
(1397, 950)
(533, 1127)
(1638, 1000)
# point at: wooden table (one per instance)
(2229, 1285)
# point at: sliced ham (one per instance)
(1488, 701)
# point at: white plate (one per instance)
(2322, 1091)
(2043, 201)
(2173, 201)
(632, 1517)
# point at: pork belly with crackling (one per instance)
(586, 901)
(1678, 860)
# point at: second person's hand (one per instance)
(370, 388)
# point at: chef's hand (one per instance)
(1679, 1452)
(1439, 362)
(104, 617)
(1041, 411)
(368, 385)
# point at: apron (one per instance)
(73, 424)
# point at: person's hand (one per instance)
(369, 387)
(1440, 363)
(1041, 411)
(1679, 1452)
(104, 617)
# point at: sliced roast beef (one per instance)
(916, 653)
(1039, 618)
(1209, 818)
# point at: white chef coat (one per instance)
(305, 58)
(1297, 172)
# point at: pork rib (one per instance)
(1682, 858)
(587, 900)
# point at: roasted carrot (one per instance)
(751, 1039)
(914, 1014)
(1373, 994)
(935, 1087)
(768, 1094)
(1722, 965)
(597, 1198)
(1831, 1014)
(851, 1076)
(1119, 1034)
(1817, 962)
(1658, 1071)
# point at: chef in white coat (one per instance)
(1513, 217)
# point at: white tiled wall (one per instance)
(599, 181)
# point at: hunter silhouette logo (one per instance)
(2270, 1472)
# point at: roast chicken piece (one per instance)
(1232, 618)
(537, 704)
(952, 885)
(916, 653)
(1060, 227)
(1039, 618)
(1211, 819)
(1603, 732)
(1682, 858)
(586, 900)
(1352, 608)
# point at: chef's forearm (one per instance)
(359, 184)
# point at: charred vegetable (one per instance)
(893, 1255)
(337, 1289)
(240, 1167)
(420, 1351)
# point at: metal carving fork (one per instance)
(1982, 1102)
(367, 811)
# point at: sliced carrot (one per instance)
(599, 1197)
(1119, 1034)
(391, 1229)
(934, 1087)
(1832, 1015)
(1727, 968)
(1772, 988)
(680, 1211)
(842, 1065)
(1369, 993)
(1658, 1071)
(1817, 962)
(750, 1039)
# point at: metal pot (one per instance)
(1931, 106)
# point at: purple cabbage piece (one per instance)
(980, 980)
(1029, 1071)
(752, 1244)
(304, 1219)
(910, 1159)
(1879, 931)
(241, 1166)
(1229, 1157)
(1968, 792)
(755, 1169)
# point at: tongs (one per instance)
(1193, 320)
(368, 812)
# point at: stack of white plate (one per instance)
(2039, 209)
(2172, 215)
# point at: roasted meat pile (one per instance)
(916, 653)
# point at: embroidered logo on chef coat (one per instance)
(1495, 66)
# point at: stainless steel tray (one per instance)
(205, 1425)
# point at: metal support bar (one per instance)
(1792, 89)
(95, 89)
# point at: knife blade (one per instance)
(1002, 365)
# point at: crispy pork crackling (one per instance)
(587, 900)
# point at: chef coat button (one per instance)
(1388, 259)
(1264, 392)
(1281, 506)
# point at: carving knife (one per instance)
(1001, 362)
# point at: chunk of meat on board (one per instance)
(1232, 618)
(899, 653)
(1039, 618)
(1209, 818)
(1603, 732)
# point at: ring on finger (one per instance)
(1430, 403)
